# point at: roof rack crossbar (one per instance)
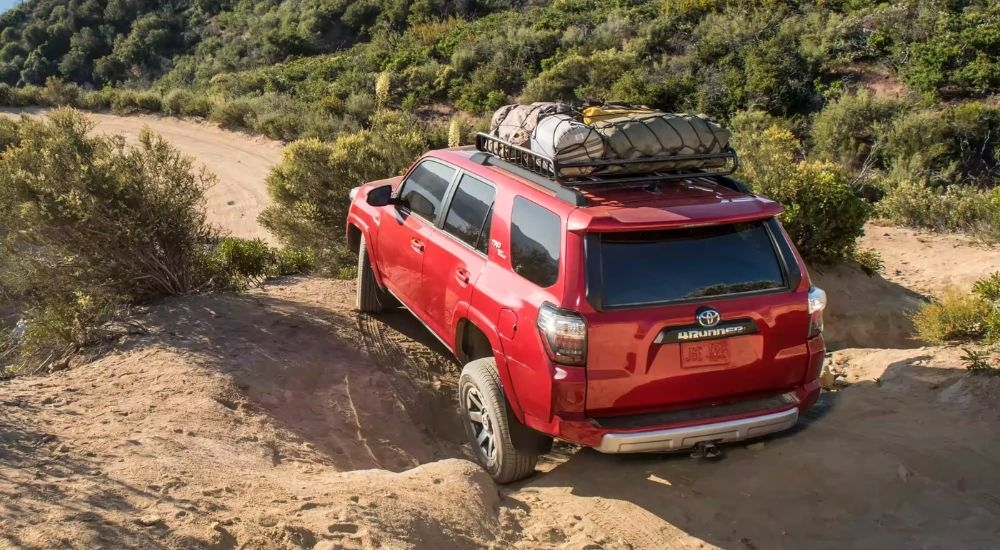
(553, 169)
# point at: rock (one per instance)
(904, 473)
(758, 446)
(149, 520)
(64, 448)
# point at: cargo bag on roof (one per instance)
(566, 141)
(515, 123)
(641, 135)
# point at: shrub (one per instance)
(977, 362)
(988, 288)
(237, 264)
(870, 261)
(198, 105)
(310, 187)
(822, 214)
(233, 114)
(175, 102)
(956, 317)
(149, 102)
(94, 100)
(959, 144)
(852, 129)
(91, 222)
(954, 208)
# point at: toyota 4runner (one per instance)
(629, 314)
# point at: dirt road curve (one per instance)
(241, 162)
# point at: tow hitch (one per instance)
(706, 449)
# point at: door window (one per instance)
(425, 187)
(470, 212)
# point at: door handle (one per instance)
(462, 276)
(417, 246)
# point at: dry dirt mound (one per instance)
(241, 161)
(875, 312)
(245, 421)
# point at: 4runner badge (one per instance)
(499, 247)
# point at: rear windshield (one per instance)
(651, 267)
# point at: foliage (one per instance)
(870, 261)
(852, 130)
(237, 264)
(89, 223)
(978, 362)
(954, 208)
(988, 288)
(956, 317)
(310, 187)
(823, 215)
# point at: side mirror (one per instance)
(380, 196)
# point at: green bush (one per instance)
(198, 105)
(956, 317)
(953, 208)
(233, 114)
(870, 261)
(90, 222)
(852, 129)
(988, 288)
(175, 102)
(310, 187)
(958, 144)
(823, 215)
(237, 264)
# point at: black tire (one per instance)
(370, 297)
(479, 392)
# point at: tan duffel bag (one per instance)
(636, 136)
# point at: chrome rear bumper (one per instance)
(675, 439)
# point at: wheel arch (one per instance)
(473, 341)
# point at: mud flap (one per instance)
(525, 439)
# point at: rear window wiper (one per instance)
(733, 288)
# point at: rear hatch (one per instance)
(692, 316)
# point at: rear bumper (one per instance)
(675, 439)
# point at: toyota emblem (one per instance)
(707, 317)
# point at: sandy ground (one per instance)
(282, 419)
(240, 161)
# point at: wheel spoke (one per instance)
(483, 436)
(490, 447)
(474, 401)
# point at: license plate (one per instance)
(704, 354)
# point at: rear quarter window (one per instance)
(535, 242)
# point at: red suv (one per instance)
(629, 314)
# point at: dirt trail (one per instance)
(280, 418)
(241, 161)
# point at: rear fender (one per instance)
(489, 329)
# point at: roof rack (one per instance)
(552, 169)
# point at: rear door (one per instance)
(692, 316)
(409, 227)
(454, 261)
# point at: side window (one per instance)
(470, 212)
(425, 187)
(535, 239)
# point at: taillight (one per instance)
(564, 335)
(817, 303)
